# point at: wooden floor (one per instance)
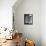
(9, 43)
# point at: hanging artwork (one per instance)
(28, 19)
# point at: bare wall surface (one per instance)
(43, 22)
(6, 13)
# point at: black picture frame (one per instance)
(28, 19)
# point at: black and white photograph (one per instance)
(28, 19)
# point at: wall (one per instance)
(43, 22)
(6, 13)
(29, 31)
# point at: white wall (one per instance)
(6, 13)
(29, 31)
(43, 22)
